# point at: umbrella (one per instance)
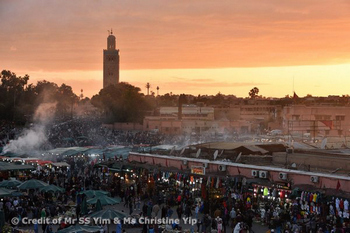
(52, 188)
(16, 194)
(5, 192)
(80, 228)
(83, 209)
(295, 192)
(94, 193)
(98, 206)
(105, 200)
(108, 214)
(10, 183)
(33, 184)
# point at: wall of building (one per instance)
(234, 169)
(249, 112)
(166, 126)
(188, 112)
(317, 120)
(170, 125)
(231, 114)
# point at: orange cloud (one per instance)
(65, 39)
(154, 34)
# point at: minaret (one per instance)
(110, 62)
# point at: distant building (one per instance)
(260, 116)
(110, 62)
(188, 112)
(191, 119)
(170, 119)
(317, 120)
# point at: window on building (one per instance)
(295, 117)
(322, 117)
(340, 118)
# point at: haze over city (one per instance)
(178, 116)
(197, 47)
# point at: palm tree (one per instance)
(148, 86)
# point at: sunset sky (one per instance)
(194, 47)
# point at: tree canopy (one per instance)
(253, 93)
(18, 100)
(121, 103)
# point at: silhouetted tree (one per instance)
(217, 100)
(148, 86)
(18, 100)
(168, 100)
(121, 103)
(11, 90)
(253, 93)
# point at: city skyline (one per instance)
(198, 47)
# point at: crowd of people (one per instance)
(227, 213)
(88, 132)
(91, 132)
(137, 197)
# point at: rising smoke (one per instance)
(32, 139)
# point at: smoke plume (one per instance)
(31, 140)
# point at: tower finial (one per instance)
(111, 32)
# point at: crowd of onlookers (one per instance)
(87, 132)
(220, 215)
(90, 132)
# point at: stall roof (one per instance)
(255, 149)
(11, 155)
(253, 146)
(58, 151)
(165, 147)
(14, 167)
(91, 151)
(223, 145)
(61, 164)
(119, 151)
(68, 150)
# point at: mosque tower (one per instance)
(110, 62)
